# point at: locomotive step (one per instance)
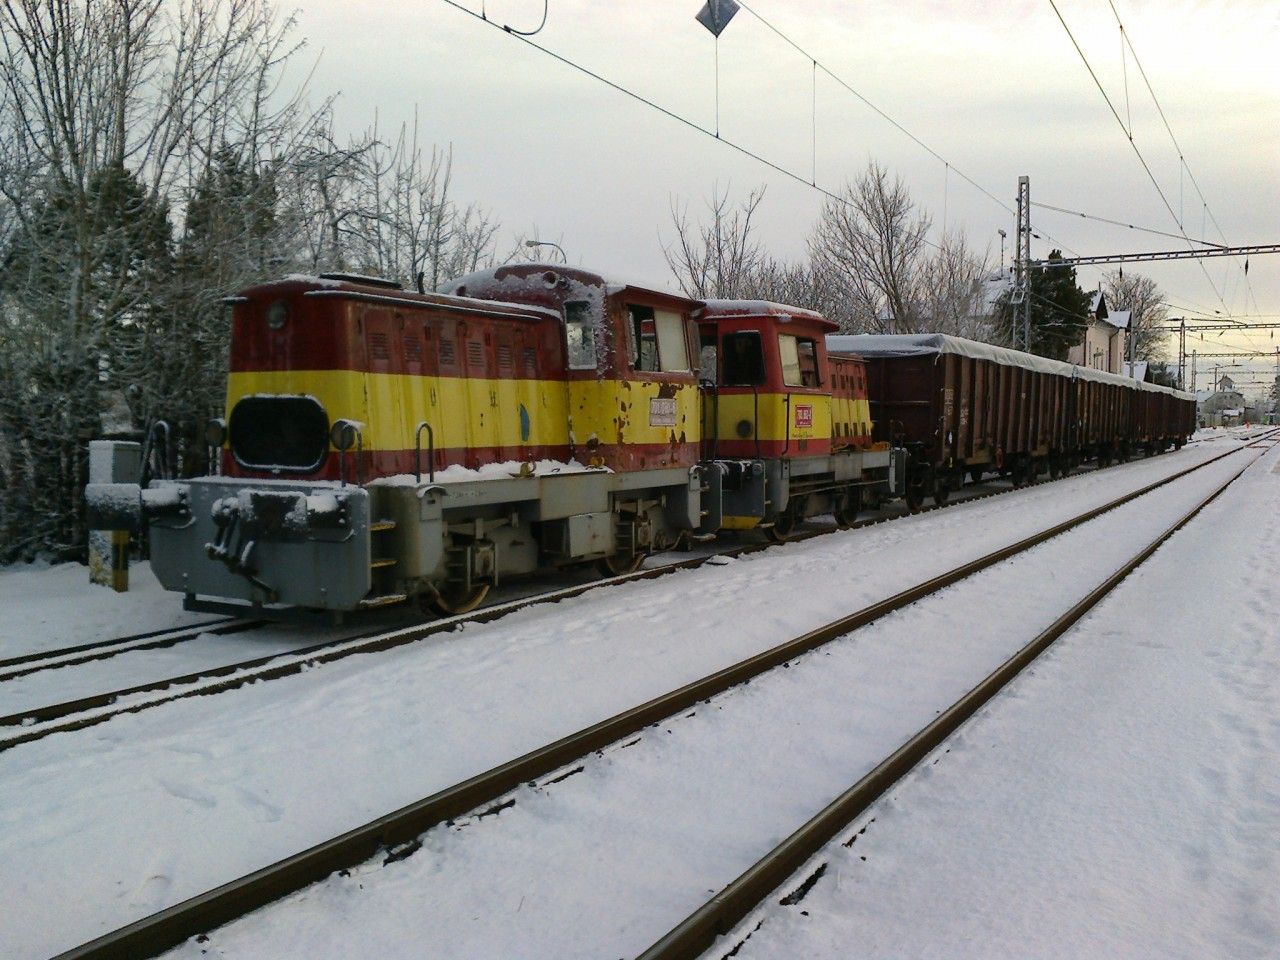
(382, 562)
(382, 525)
(385, 600)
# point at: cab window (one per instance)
(658, 340)
(743, 360)
(799, 356)
(580, 336)
(707, 357)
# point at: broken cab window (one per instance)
(799, 358)
(580, 336)
(658, 340)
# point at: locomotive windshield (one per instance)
(279, 433)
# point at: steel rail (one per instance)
(90, 652)
(720, 915)
(396, 833)
(39, 655)
(79, 714)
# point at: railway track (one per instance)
(790, 866)
(31, 663)
(34, 723)
(396, 835)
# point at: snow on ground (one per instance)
(638, 838)
(101, 826)
(49, 607)
(1121, 799)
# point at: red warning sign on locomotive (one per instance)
(804, 415)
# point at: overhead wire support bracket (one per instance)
(1244, 251)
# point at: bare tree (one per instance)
(869, 248)
(387, 208)
(1147, 308)
(718, 258)
(957, 300)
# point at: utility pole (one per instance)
(1021, 299)
(1182, 354)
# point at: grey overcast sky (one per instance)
(996, 89)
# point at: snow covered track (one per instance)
(728, 908)
(82, 712)
(30, 663)
(41, 721)
(397, 833)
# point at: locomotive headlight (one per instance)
(277, 314)
(215, 432)
(344, 434)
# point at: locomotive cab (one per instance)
(789, 427)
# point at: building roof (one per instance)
(1098, 305)
(1117, 318)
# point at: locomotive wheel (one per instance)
(451, 600)
(781, 529)
(846, 512)
(619, 564)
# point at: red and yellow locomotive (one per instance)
(383, 445)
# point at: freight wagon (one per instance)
(963, 409)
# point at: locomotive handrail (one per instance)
(755, 417)
(786, 447)
(431, 451)
(159, 426)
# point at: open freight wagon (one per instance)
(963, 408)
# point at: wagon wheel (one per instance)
(919, 483)
(1018, 472)
(619, 564)
(1055, 466)
(451, 599)
(975, 474)
(942, 488)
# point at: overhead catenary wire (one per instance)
(1121, 223)
(1182, 160)
(665, 111)
(1137, 152)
